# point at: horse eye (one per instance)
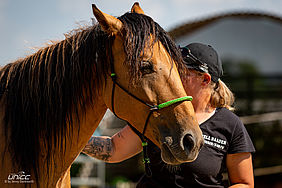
(146, 67)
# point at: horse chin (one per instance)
(169, 158)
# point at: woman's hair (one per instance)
(221, 96)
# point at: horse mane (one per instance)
(42, 92)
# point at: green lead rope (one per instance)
(146, 159)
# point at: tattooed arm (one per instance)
(117, 148)
(99, 147)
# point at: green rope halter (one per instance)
(168, 103)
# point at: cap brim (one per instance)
(193, 66)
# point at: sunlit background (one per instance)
(246, 33)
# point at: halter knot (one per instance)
(113, 76)
(146, 160)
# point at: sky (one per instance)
(26, 25)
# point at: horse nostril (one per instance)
(188, 143)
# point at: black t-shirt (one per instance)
(223, 134)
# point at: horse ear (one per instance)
(137, 9)
(109, 23)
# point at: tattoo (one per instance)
(99, 148)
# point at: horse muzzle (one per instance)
(175, 150)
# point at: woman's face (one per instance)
(192, 82)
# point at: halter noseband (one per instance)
(153, 108)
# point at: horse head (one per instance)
(146, 67)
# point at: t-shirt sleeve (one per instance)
(240, 141)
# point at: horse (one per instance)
(53, 100)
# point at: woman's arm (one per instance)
(117, 148)
(240, 170)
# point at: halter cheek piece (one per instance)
(153, 108)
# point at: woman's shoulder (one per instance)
(225, 121)
(227, 115)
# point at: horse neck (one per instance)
(77, 139)
(62, 160)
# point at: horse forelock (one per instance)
(139, 30)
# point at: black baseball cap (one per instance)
(203, 58)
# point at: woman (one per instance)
(227, 143)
